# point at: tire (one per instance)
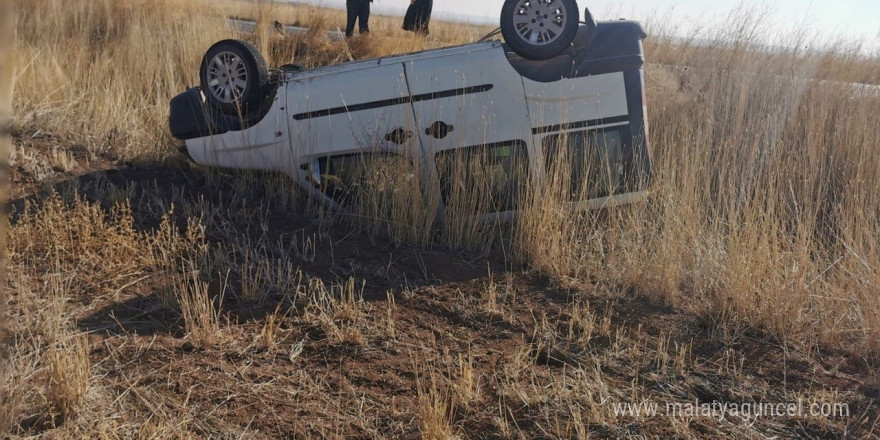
(233, 77)
(539, 29)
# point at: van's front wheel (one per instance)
(539, 29)
(233, 76)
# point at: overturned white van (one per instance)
(587, 102)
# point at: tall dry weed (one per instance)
(113, 64)
(13, 392)
(69, 373)
(200, 310)
(47, 372)
(762, 210)
(79, 57)
(762, 216)
(7, 34)
(759, 211)
(339, 310)
(436, 408)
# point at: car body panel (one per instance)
(589, 101)
(392, 59)
(574, 100)
(326, 121)
(483, 102)
(263, 146)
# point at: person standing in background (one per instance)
(417, 16)
(358, 11)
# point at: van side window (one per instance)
(483, 179)
(350, 177)
(590, 163)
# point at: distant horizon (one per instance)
(384, 8)
(846, 20)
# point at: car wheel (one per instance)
(539, 29)
(233, 76)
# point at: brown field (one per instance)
(145, 297)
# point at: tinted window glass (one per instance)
(590, 162)
(348, 177)
(483, 178)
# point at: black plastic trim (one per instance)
(609, 46)
(580, 124)
(639, 161)
(394, 101)
(190, 116)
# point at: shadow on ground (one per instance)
(258, 213)
(534, 337)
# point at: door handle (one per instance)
(439, 130)
(399, 136)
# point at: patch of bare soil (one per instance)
(433, 341)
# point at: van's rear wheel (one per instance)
(233, 76)
(539, 29)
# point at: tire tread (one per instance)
(257, 69)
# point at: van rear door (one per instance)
(589, 131)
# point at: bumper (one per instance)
(188, 118)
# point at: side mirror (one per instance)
(590, 21)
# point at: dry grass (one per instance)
(435, 410)
(150, 299)
(69, 372)
(80, 61)
(88, 59)
(761, 213)
(6, 71)
(339, 310)
(201, 314)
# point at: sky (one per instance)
(852, 19)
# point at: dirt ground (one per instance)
(481, 345)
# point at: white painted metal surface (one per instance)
(577, 99)
(265, 146)
(488, 105)
(353, 107)
(348, 128)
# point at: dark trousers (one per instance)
(358, 10)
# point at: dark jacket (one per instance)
(417, 16)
